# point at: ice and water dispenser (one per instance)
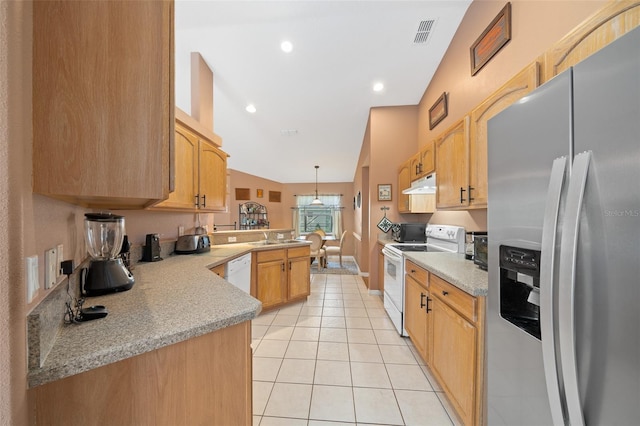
(520, 288)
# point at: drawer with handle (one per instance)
(417, 273)
(464, 303)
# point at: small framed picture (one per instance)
(259, 193)
(384, 192)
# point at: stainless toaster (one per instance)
(188, 244)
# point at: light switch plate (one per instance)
(32, 277)
(231, 239)
(59, 259)
(50, 262)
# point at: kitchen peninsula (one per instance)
(175, 349)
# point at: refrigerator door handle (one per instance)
(566, 296)
(547, 286)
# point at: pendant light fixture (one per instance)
(317, 201)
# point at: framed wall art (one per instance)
(274, 196)
(438, 111)
(384, 192)
(492, 39)
(243, 194)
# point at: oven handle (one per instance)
(391, 255)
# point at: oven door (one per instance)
(394, 288)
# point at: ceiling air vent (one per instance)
(424, 29)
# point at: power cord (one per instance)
(73, 307)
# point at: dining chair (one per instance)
(336, 249)
(316, 248)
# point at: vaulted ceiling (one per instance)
(311, 104)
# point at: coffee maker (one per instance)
(104, 234)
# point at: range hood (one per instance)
(425, 185)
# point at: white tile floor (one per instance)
(336, 359)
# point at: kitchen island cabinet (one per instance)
(186, 383)
(103, 107)
(281, 276)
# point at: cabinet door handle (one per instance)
(470, 188)
(289, 265)
(420, 168)
(462, 190)
(197, 200)
(427, 305)
(413, 271)
(282, 266)
(445, 293)
(422, 298)
(204, 200)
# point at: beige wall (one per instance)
(280, 214)
(536, 25)
(29, 223)
(393, 138)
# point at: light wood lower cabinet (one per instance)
(299, 275)
(416, 320)
(219, 270)
(281, 276)
(203, 380)
(446, 325)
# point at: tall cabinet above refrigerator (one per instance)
(563, 312)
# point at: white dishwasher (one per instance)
(238, 272)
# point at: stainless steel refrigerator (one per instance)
(563, 319)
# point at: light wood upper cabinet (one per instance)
(524, 82)
(415, 167)
(428, 158)
(613, 21)
(423, 162)
(404, 182)
(103, 107)
(213, 178)
(186, 166)
(452, 166)
(200, 174)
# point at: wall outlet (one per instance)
(180, 231)
(32, 277)
(231, 239)
(50, 267)
(280, 236)
(59, 259)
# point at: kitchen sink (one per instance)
(273, 242)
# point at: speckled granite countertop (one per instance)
(455, 269)
(171, 301)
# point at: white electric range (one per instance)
(439, 238)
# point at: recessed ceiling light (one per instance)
(251, 108)
(377, 87)
(286, 46)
